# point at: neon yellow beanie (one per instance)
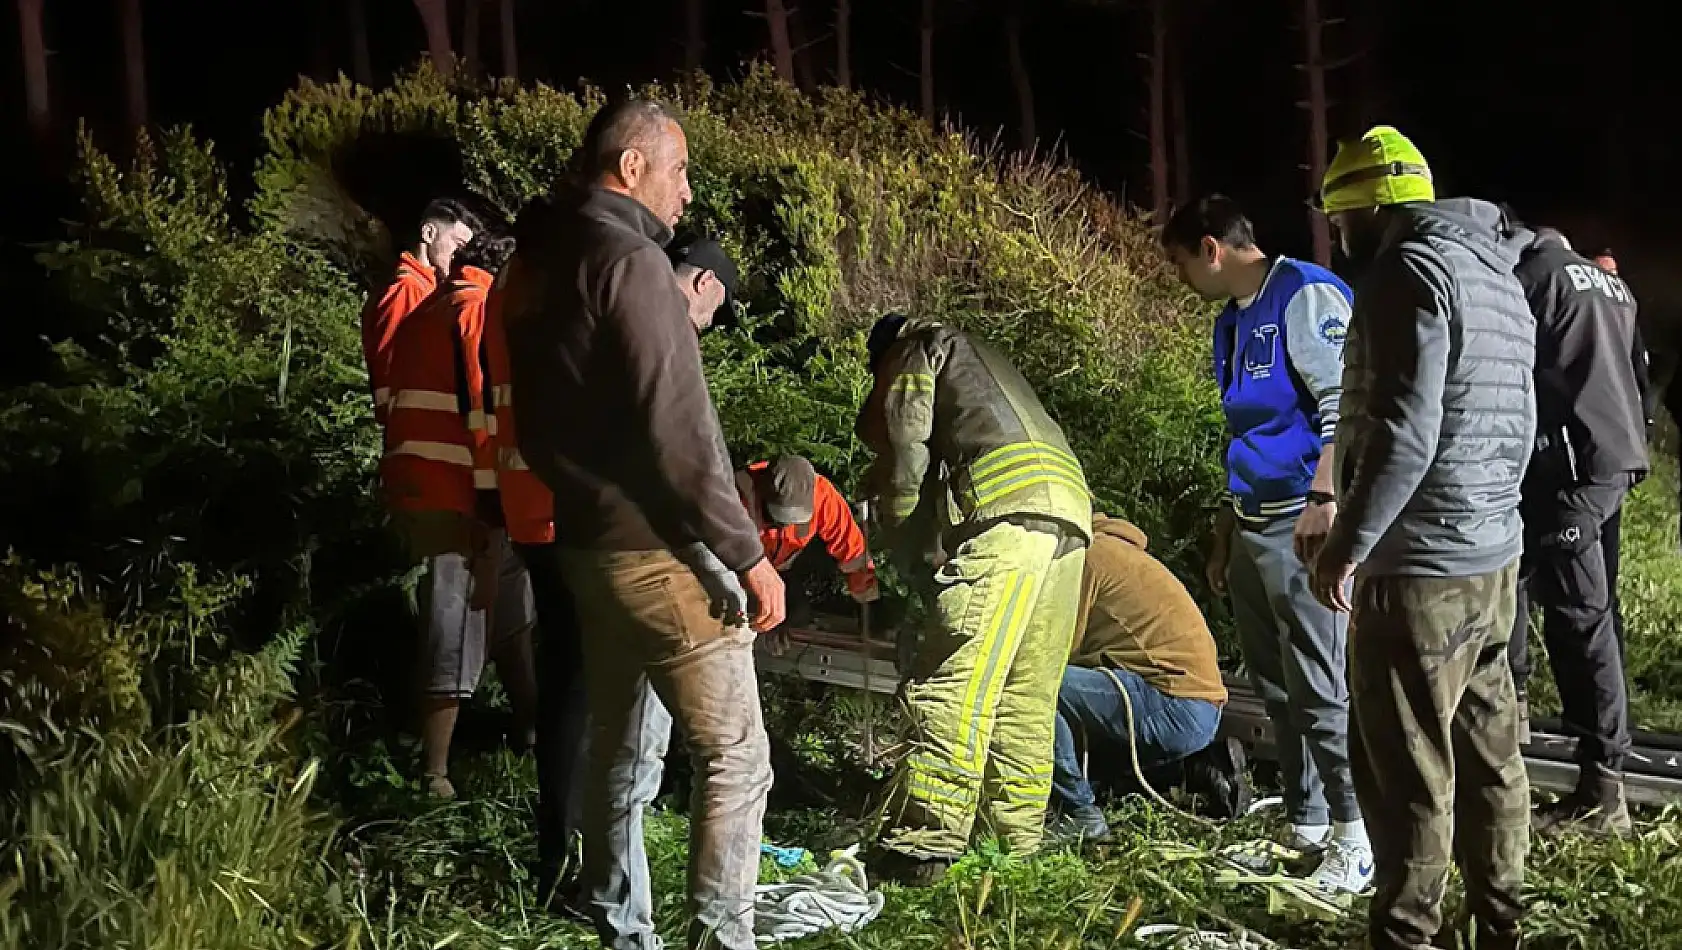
(1380, 168)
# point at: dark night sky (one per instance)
(1518, 100)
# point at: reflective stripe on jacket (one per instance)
(528, 508)
(950, 416)
(382, 317)
(438, 452)
(832, 521)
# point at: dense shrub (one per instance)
(152, 799)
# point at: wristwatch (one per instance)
(1321, 498)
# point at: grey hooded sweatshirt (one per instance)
(1439, 407)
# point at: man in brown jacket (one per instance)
(1143, 672)
(613, 415)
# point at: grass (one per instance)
(454, 875)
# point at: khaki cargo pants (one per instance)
(1435, 751)
(652, 652)
(984, 719)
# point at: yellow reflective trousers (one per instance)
(983, 718)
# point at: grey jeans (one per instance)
(1295, 651)
(652, 651)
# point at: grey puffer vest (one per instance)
(1461, 517)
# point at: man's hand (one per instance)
(765, 596)
(869, 595)
(482, 567)
(1330, 583)
(1313, 525)
(1214, 571)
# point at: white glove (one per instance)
(727, 598)
(869, 595)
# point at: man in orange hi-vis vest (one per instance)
(446, 226)
(440, 479)
(793, 506)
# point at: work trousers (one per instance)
(653, 651)
(562, 711)
(1436, 753)
(1518, 648)
(983, 701)
(1295, 651)
(1117, 709)
(1570, 570)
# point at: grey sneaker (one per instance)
(1076, 827)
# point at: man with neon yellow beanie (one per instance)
(1437, 422)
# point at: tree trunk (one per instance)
(134, 61)
(802, 50)
(37, 98)
(1159, 111)
(694, 35)
(782, 48)
(361, 64)
(844, 43)
(435, 16)
(1318, 143)
(1019, 78)
(470, 37)
(510, 44)
(1177, 119)
(926, 71)
(1368, 23)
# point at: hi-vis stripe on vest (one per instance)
(528, 509)
(439, 452)
(1013, 468)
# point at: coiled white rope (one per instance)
(838, 897)
(1187, 938)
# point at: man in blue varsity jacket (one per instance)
(1279, 363)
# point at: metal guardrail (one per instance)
(831, 651)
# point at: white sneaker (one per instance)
(1345, 869)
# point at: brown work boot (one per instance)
(906, 870)
(1597, 807)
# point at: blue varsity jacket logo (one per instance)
(1272, 420)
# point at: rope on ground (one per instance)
(838, 897)
(1187, 938)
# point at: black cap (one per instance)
(705, 254)
(882, 336)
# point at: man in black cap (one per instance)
(707, 275)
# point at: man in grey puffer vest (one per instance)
(1438, 418)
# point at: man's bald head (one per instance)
(637, 147)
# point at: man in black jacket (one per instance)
(666, 566)
(1591, 448)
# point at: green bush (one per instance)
(145, 813)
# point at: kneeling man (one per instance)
(1143, 670)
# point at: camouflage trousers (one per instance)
(1435, 751)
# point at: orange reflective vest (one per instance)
(384, 314)
(832, 521)
(528, 508)
(438, 450)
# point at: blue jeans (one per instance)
(1168, 728)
